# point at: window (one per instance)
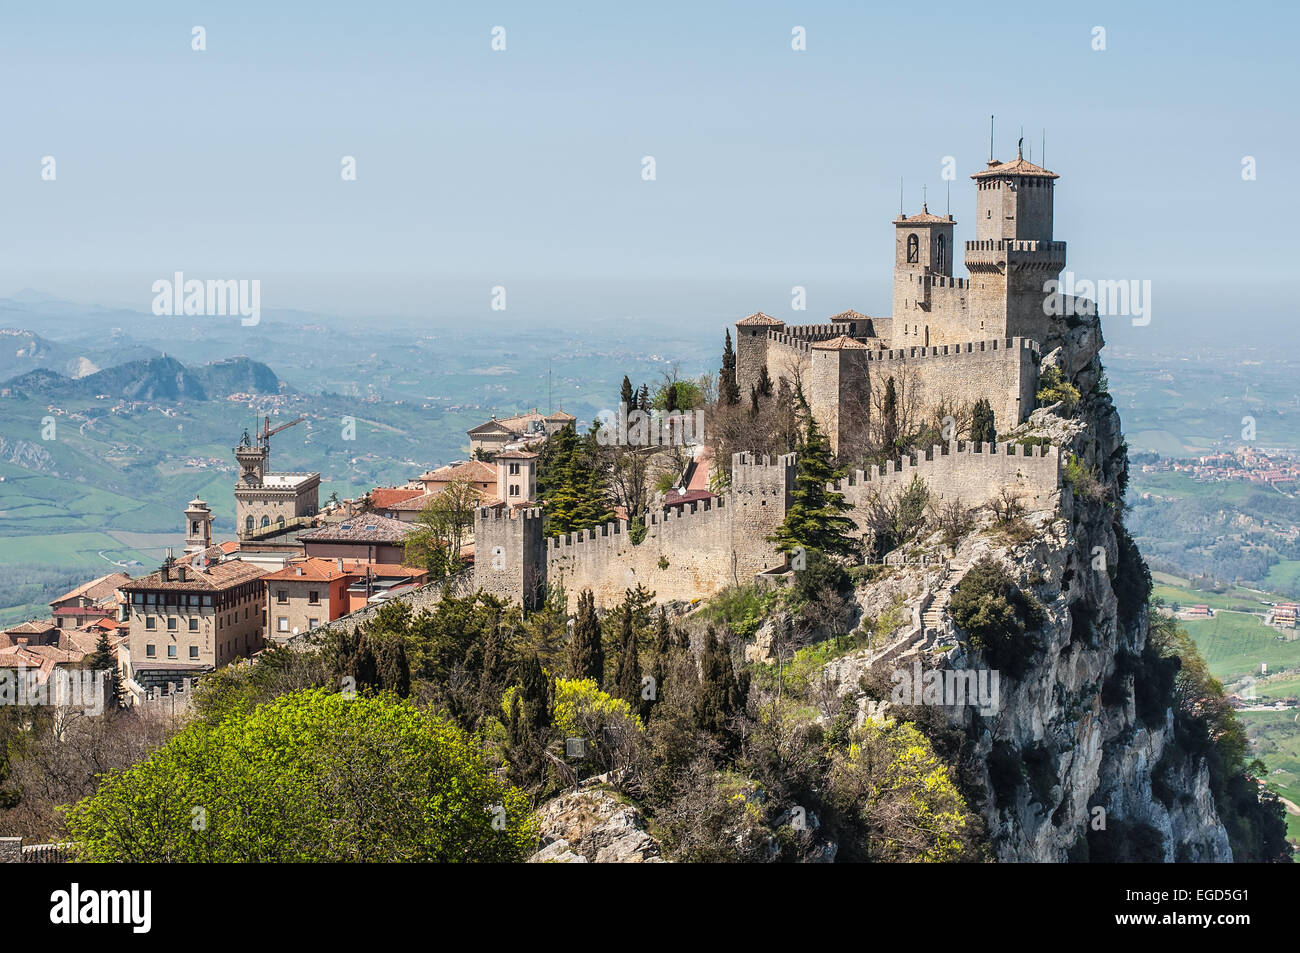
(150, 599)
(313, 597)
(988, 213)
(195, 528)
(266, 521)
(913, 250)
(282, 623)
(282, 596)
(150, 623)
(939, 252)
(194, 651)
(137, 598)
(514, 469)
(312, 623)
(194, 599)
(194, 625)
(171, 651)
(514, 489)
(207, 602)
(248, 525)
(172, 623)
(151, 650)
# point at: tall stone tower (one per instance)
(1013, 254)
(251, 458)
(198, 527)
(751, 349)
(922, 250)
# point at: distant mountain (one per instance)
(22, 350)
(159, 378)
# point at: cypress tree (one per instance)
(889, 421)
(586, 653)
(728, 388)
(627, 397)
(982, 429)
(718, 697)
(628, 679)
(764, 383)
(643, 399)
(815, 519)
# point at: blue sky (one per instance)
(523, 168)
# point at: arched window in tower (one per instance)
(938, 253)
(248, 525)
(913, 250)
(266, 521)
(195, 530)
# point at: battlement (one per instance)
(970, 473)
(789, 340)
(494, 514)
(816, 332)
(954, 350)
(937, 281)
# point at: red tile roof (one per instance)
(383, 497)
(759, 318)
(1018, 166)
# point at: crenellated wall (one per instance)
(972, 474)
(688, 552)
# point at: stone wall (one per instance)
(961, 472)
(688, 552)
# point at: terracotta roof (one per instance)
(312, 569)
(367, 528)
(96, 589)
(84, 610)
(413, 505)
(229, 546)
(925, 217)
(848, 316)
(841, 343)
(759, 318)
(516, 455)
(215, 578)
(474, 471)
(32, 627)
(382, 497)
(673, 498)
(1018, 166)
(560, 415)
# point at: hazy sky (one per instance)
(523, 167)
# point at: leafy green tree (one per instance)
(311, 776)
(981, 423)
(442, 529)
(815, 518)
(996, 615)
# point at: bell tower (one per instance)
(922, 251)
(252, 461)
(198, 527)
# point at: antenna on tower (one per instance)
(949, 211)
(990, 138)
(1043, 157)
(900, 196)
(923, 188)
(1020, 146)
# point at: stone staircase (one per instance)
(934, 618)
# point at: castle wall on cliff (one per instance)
(701, 548)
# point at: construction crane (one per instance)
(264, 438)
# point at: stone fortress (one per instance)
(949, 341)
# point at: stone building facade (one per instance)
(264, 500)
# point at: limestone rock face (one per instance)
(1084, 746)
(592, 825)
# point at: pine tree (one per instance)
(103, 658)
(643, 399)
(982, 429)
(627, 397)
(571, 483)
(815, 519)
(889, 419)
(728, 388)
(586, 652)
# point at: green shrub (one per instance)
(996, 615)
(1053, 387)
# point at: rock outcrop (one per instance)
(593, 825)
